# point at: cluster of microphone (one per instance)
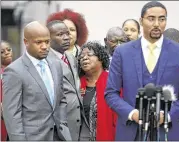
(150, 100)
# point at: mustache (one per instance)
(156, 29)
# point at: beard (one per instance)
(154, 35)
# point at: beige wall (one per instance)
(101, 15)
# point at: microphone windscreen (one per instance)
(159, 88)
(141, 91)
(167, 95)
(170, 88)
(150, 89)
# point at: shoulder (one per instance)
(172, 46)
(172, 43)
(15, 65)
(125, 47)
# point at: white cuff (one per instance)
(169, 118)
(131, 113)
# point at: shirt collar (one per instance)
(145, 42)
(58, 54)
(34, 60)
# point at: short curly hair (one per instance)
(99, 51)
(77, 19)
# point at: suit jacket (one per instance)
(126, 71)
(28, 113)
(71, 84)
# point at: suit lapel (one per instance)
(162, 60)
(74, 69)
(138, 60)
(54, 77)
(34, 73)
(54, 54)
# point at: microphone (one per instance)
(158, 100)
(150, 90)
(141, 92)
(167, 97)
(158, 106)
(168, 94)
(170, 88)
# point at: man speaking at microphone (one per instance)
(150, 59)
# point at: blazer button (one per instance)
(77, 120)
(51, 129)
(78, 106)
(60, 128)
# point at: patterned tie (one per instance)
(46, 80)
(64, 58)
(151, 58)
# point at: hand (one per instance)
(82, 91)
(1, 112)
(161, 118)
(135, 116)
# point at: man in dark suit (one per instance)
(136, 64)
(60, 42)
(33, 100)
(114, 37)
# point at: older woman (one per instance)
(6, 59)
(94, 62)
(131, 28)
(77, 27)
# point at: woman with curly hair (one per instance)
(94, 61)
(77, 27)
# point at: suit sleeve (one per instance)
(174, 111)
(12, 105)
(113, 87)
(63, 112)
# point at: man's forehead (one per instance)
(115, 36)
(156, 11)
(59, 26)
(43, 38)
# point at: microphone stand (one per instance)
(166, 120)
(141, 94)
(158, 106)
(153, 134)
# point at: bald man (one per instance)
(34, 106)
(114, 37)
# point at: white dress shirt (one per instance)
(156, 51)
(35, 63)
(145, 51)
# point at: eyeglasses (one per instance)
(6, 50)
(88, 54)
(153, 19)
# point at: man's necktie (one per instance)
(151, 58)
(64, 58)
(46, 80)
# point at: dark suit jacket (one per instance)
(28, 113)
(126, 71)
(71, 84)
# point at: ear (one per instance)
(26, 42)
(141, 21)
